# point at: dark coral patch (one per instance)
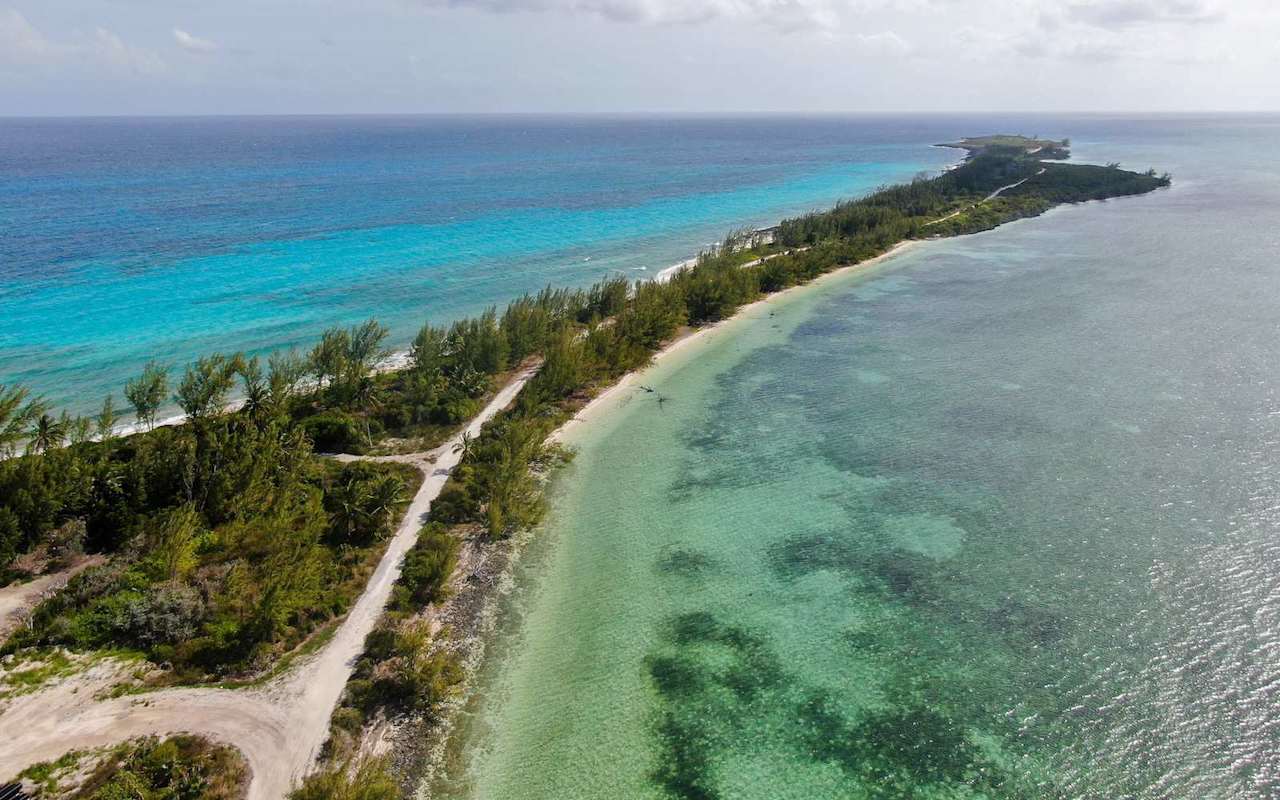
(684, 771)
(715, 679)
(675, 676)
(685, 562)
(895, 749)
(800, 555)
(1040, 626)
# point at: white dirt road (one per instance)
(988, 198)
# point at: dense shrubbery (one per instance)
(176, 768)
(1077, 183)
(210, 587)
(335, 432)
(402, 670)
(426, 570)
(231, 541)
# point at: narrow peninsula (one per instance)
(282, 595)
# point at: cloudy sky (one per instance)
(346, 56)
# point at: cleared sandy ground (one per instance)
(279, 726)
(18, 599)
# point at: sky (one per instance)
(71, 57)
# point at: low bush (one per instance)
(335, 432)
(427, 567)
(369, 780)
(176, 768)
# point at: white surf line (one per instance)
(759, 236)
(670, 272)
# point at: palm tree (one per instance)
(48, 433)
(465, 446)
(472, 383)
(256, 391)
(17, 411)
(383, 497)
(368, 398)
(349, 500)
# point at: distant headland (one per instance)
(1015, 143)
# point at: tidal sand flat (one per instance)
(995, 519)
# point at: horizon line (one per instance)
(646, 113)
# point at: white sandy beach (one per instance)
(601, 404)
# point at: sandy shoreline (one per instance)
(423, 749)
(596, 407)
(281, 725)
(394, 361)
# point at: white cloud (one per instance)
(783, 15)
(21, 43)
(193, 43)
(1099, 32)
(1111, 14)
(885, 43)
(110, 49)
(518, 55)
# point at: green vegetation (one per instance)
(231, 543)
(176, 768)
(427, 567)
(367, 780)
(216, 599)
(26, 675)
(17, 412)
(402, 670)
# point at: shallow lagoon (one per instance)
(996, 519)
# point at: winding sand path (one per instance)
(988, 198)
(279, 726)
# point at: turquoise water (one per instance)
(123, 240)
(997, 519)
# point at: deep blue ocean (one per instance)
(123, 240)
